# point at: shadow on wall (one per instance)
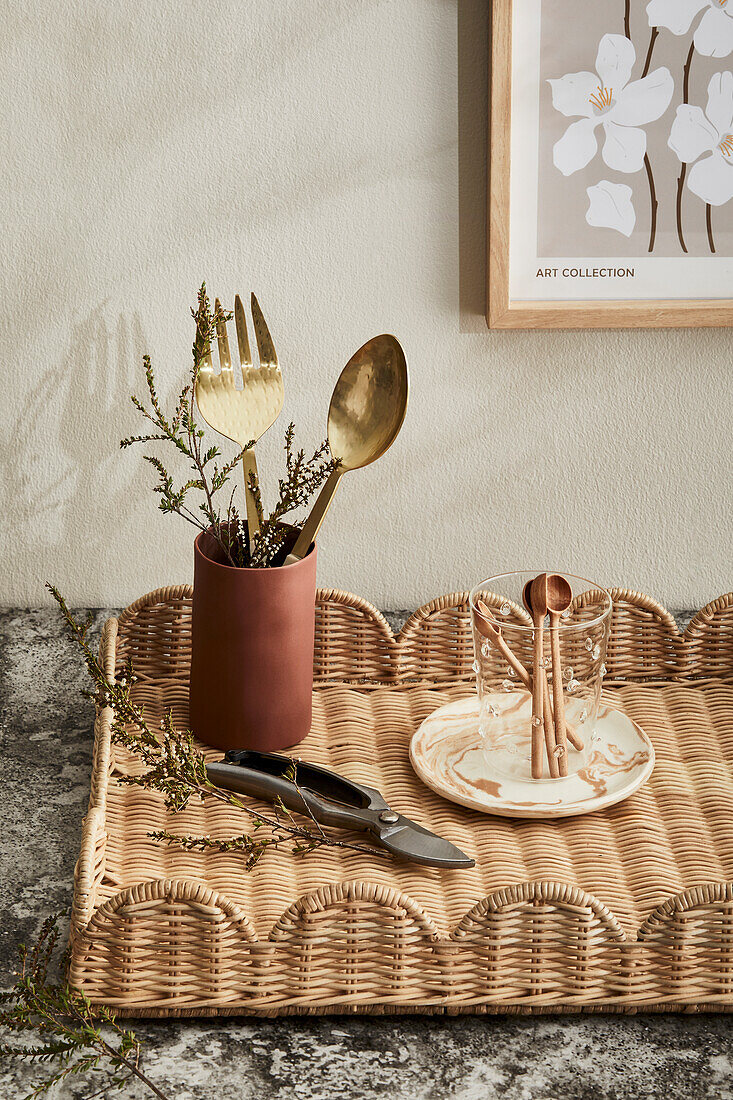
(473, 109)
(53, 470)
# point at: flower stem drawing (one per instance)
(650, 51)
(709, 226)
(654, 203)
(686, 75)
(683, 169)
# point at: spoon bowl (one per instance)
(558, 593)
(538, 596)
(527, 599)
(369, 403)
(365, 415)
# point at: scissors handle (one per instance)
(328, 797)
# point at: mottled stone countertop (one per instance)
(46, 727)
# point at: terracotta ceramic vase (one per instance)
(251, 651)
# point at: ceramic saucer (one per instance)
(450, 756)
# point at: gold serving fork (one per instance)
(242, 415)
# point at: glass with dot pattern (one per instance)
(503, 636)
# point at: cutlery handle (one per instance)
(537, 699)
(550, 743)
(312, 525)
(251, 478)
(557, 694)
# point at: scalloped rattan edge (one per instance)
(439, 629)
(377, 653)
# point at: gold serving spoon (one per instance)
(367, 409)
(243, 415)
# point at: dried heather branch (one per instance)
(182, 431)
(72, 1036)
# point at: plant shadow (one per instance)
(61, 474)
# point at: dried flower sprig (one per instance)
(72, 1036)
(182, 430)
(177, 770)
(304, 476)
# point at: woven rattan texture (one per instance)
(629, 907)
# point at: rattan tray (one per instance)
(623, 909)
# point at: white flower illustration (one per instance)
(606, 98)
(706, 137)
(611, 207)
(714, 33)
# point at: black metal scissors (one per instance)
(333, 800)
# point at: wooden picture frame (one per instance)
(505, 308)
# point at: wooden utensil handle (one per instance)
(558, 695)
(493, 633)
(537, 701)
(572, 736)
(251, 485)
(550, 742)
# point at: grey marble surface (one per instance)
(45, 728)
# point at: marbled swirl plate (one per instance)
(448, 755)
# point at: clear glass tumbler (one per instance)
(503, 638)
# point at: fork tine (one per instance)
(240, 320)
(222, 339)
(265, 346)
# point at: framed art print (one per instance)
(611, 164)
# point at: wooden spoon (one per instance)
(492, 631)
(554, 593)
(540, 685)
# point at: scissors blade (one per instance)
(409, 840)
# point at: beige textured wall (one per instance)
(329, 154)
